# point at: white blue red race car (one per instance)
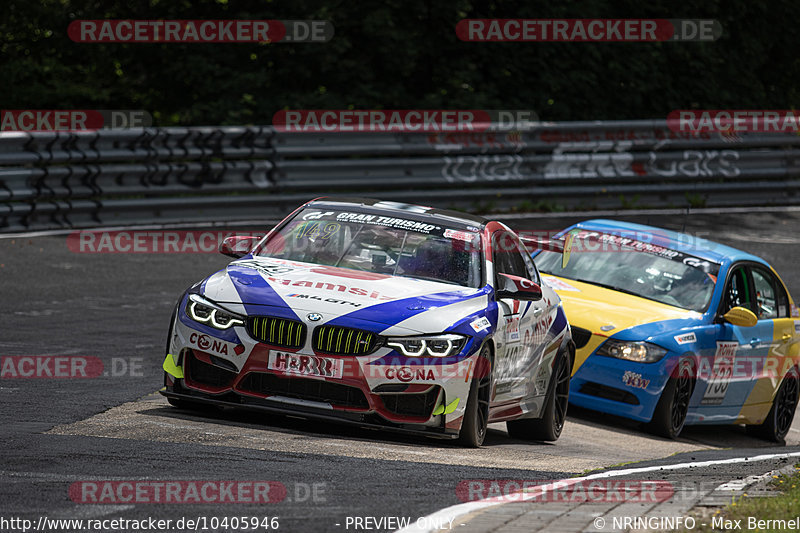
(671, 329)
(379, 314)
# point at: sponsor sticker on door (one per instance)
(721, 374)
(686, 338)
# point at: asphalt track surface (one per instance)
(54, 432)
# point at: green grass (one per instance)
(784, 506)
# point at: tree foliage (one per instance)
(397, 54)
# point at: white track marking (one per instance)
(453, 513)
(736, 485)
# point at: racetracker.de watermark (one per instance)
(72, 119)
(68, 367)
(697, 121)
(568, 491)
(200, 31)
(402, 120)
(588, 30)
(150, 241)
(113, 492)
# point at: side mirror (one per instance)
(517, 288)
(237, 245)
(739, 316)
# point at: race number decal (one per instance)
(721, 373)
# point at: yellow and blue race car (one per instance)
(673, 330)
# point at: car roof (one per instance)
(690, 244)
(399, 208)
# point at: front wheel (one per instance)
(548, 428)
(779, 420)
(673, 406)
(476, 415)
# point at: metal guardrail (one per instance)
(82, 179)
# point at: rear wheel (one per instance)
(779, 420)
(547, 428)
(476, 415)
(673, 406)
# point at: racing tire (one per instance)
(670, 413)
(549, 427)
(781, 414)
(476, 415)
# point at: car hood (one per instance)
(406, 306)
(606, 312)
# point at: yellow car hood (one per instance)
(605, 312)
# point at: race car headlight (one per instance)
(201, 310)
(640, 352)
(428, 346)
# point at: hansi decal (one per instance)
(796, 327)
(480, 324)
(406, 374)
(795, 311)
(632, 379)
(321, 299)
(686, 338)
(459, 235)
(541, 327)
(333, 287)
(721, 373)
(306, 365)
(209, 344)
(559, 284)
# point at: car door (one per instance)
(772, 310)
(728, 371)
(519, 347)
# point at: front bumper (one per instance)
(619, 387)
(382, 389)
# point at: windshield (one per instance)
(373, 242)
(660, 274)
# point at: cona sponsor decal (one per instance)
(401, 120)
(176, 492)
(406, 374)
(214, 345)
(200, 31)
(72, 119)
(150, 242)
(46, 366)
(731, 121)
(567, 491)
(587, 30)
